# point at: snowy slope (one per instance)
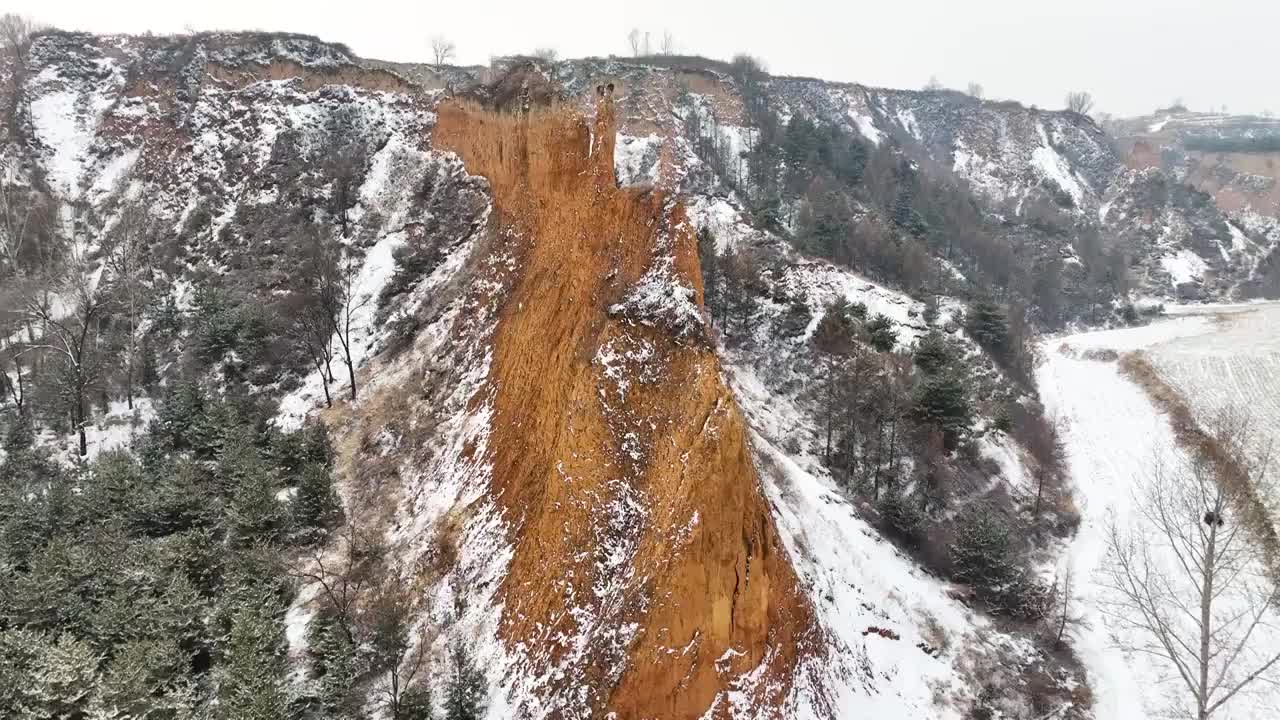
(858, 580)
(1114, 435)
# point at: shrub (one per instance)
(987, 323)
(1129, 313)
(903, 519)
(942, 400)
(982, 552)
(932, 354)
(984, 557)
(880, 333)
(1003, 419)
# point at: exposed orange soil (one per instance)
(637, 517)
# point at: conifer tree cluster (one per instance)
(150, 584)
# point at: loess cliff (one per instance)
(619, 456)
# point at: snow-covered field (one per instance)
(1235, 362)
(1114, 435)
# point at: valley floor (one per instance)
(1114, 435)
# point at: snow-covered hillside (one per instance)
(237, 144)
(1054, 181)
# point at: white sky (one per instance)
(1133, 55)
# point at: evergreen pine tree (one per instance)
(148, 373)
(467, 690)
(415, 704)
(834, 334)
(942, 400)
(64, 676)
(987, 324)
(880, 333)
(176, 414)
(180, 496)
(252, 685)
(932, 354)
(19, 650)
(337, 665)
(317, 447)
(712, 275)
(982, 551)
(315, 504)
(114, 483)
(19, 435)
(253, 514)
(139, 679)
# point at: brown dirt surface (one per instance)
(646, 563)
(370, 79)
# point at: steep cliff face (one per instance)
(645, 565)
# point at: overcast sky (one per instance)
(1133, 55)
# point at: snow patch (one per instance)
(1184, 267)
(1055, 168)
(635, 159)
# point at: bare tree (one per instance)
(70, 317)
(343, 296)
(343, 158)
(933, 84)
(125, 258)
(546, 54)
(25, 216)
(668, 43)
(1064, 590)
(16, 31)
(442, 50)
(975, 90)
(1044, 441)
(15, 40)
(401, 648)
(1080, 102)
(633, 39)
(310, 328)
(1190, 576)
(345, 576)
(30, 250)
(311, 306)
(12, 389)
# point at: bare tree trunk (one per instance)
(830, 403)
(1206, 621)
(80, 423)
(879, 451)
(893, 445)
(128, 383)
(20, 395)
